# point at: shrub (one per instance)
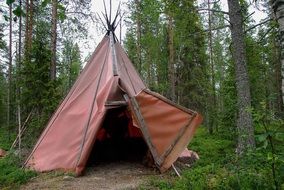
(11, 173)
(220, 168)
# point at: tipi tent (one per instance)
(109, 88)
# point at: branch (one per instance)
(263, 36)
(249, 16)
(218, 28)
(261, 23)
(84, 14)
(213, 10)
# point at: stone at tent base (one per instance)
(187, 158)
(68, 178)
(2, 153)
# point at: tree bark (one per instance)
(18, 93)
(213, 94)
(277, 66)
(29, 30)
(53, 40)
(244, 121)
(9, 68)
(171, 64)
(278, 8)
(138, 33)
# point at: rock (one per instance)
(68, 178)
(188, 157)
(2, 153)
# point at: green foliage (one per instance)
(11, 174)
(2, 42)
(44, 3)
(18, 11)
(5, 140)
(228, 92)
(220, 168)
(61, 12)
(3, 88)
(8, 2)
(270, 139)
(70, 66)
(153, 42)
(3, 81)
(36, 75)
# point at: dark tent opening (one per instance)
(118, 140)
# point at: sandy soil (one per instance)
(118, 175)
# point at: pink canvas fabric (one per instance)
(67, 140)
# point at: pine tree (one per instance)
(278, 11)
(70, 66)
(244, 121)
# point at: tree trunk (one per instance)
(244, 121)
(278, 8)
(138, 33)
(213, 106)
(53, 40)
(277, 66)
(9, 68)
(70, 65)
(18, 93)
(171, 66)
(29, 30)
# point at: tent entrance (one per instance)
(118, 139)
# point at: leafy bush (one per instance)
(5, 140)
(11, 173)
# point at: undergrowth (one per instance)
(11, 173)
(220, 168)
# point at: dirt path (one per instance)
(119, 175)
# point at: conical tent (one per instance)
(109, 81)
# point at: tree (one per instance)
(3, 81)
(29, 29)
(70, 66)
(10, 66)
(53, 39)
(18, 73)
(213, 106)
(278, 8)
(172, 50)
(138, 33)
(244, 121)
(171, 62)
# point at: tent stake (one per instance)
(173, 166)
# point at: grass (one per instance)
(11, 172)
(220, 168)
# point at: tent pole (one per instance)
(173, 166)
(114, 56)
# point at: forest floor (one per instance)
(117, 175)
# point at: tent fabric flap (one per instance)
(167, 127)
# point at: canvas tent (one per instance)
(109, 88)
